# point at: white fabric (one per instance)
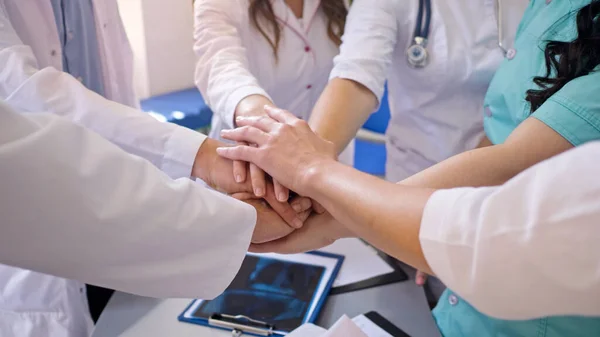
(74, 205)
(436, 112)
(533, 241)
(32, 304)
(236, 61)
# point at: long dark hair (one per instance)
(569, 60)
(262, 11)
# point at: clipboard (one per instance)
(239, 323)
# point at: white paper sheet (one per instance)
(344, 327)
(369, 328)
(361, 261)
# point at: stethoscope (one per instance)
(417, 55)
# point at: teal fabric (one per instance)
(573, 112)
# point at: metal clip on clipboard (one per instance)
(241, 324)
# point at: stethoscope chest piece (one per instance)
(416, 54)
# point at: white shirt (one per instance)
(31, 80)
(87, 210)
(236, 61)
(533, 241)
(436, 111)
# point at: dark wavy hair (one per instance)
(569, 60)
(261, 11)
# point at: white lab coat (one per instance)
(436, 111)
(74, 205)
(236, 61)
(532, 241)
(31, 81)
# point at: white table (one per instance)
(404, 304)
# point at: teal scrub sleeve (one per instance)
(574, 111)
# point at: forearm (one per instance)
(529, 144)
(342, 109)
(90, 193)
(385, 214)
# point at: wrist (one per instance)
(314, 178)
(252, 105)
(205, 158)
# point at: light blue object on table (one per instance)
(573, 112)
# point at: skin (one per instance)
(385, 214)
(216, 172)
(343, 103)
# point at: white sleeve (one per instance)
(222, 74)
(368, 44)
(76, 206)
(526, 249)
(29, 89)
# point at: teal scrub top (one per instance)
(573, 112)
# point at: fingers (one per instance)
(281, 191)
(280, 115)
(259, 184)
(305, 239)
(304, 215)
(301, 204)
(285, 211)
(317, 207)
(420, 278)
(239, 169)
(239, 152)
(262, 123)
(247, 134)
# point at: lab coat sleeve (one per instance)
(30, 89)
(76, 206)
(368, 44)
(222, 71)
(526, 249)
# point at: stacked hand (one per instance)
(288, 150)
(275, 219)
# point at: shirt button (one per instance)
(453, 300)
(487, 111)
(53, 52)
(309, 86)
(70, 36)
(307, 49)
(510, 54)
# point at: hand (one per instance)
(420, 278)
(287, 148)
(301, 204)
(295, 217)
(269, 225)
(319, 231)
(253, 105)
(216, 172)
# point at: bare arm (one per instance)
(359, 73)
(344, 106)
(530, 143)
